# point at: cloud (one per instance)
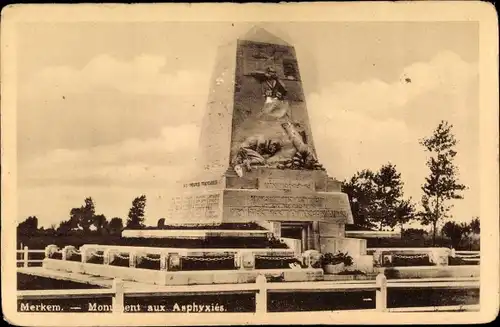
(110, 129)
(446, 72)
(368, 124)
(142, 75)
(105, 102)
(112, 174)
(150, 162)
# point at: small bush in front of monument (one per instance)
(335, 259)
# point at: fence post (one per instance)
(261, 295)
(25, 257)
(118, 298)
(381, 297)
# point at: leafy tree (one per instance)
(376, 199)
(161, 223)
(475, 226)
(136, 213)
(29, 226)
(115, 226)
(404, 212)
(100, 222)
(455, 232)
(75, 216)
(31, 223)
(442, 183)
(361, 191)
(65, 226)
(390, 208)
(87, 214)
(84, 217)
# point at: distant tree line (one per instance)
(84, 220)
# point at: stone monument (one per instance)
(257, 157)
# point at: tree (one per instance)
(475, 226)
(442, 183)
(75, 216)
(376, 199)
(390, 208)
(360, 190)
(161, 223)
(455, 232)
(65, 226)
(29, 226)
(136, 213)
(84, 217)
(100, 222)
(87, 214)
(115, 226)
(405, 211)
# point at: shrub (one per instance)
(335, 259)
(414, 233)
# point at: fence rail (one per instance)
(25, 256)
(469, 256)
(261, 288)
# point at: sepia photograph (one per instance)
(211, 164)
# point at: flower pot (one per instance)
(333, 269)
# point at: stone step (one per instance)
(195, 233)
(208, 243)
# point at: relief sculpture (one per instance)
(271, 136)
(255, 151)
(274, 92)
(304, 157)
(258, 150)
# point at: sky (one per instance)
(113, 110)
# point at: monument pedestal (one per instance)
(302, 205)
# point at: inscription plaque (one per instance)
(285, 184)
(240, 205)
(195, 206)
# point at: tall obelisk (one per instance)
(256, 121)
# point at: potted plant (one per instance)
(335, 263)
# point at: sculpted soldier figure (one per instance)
(254, 151)
(274, 92)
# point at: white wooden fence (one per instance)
(25, 256)
(469, 256)
(261, 288)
